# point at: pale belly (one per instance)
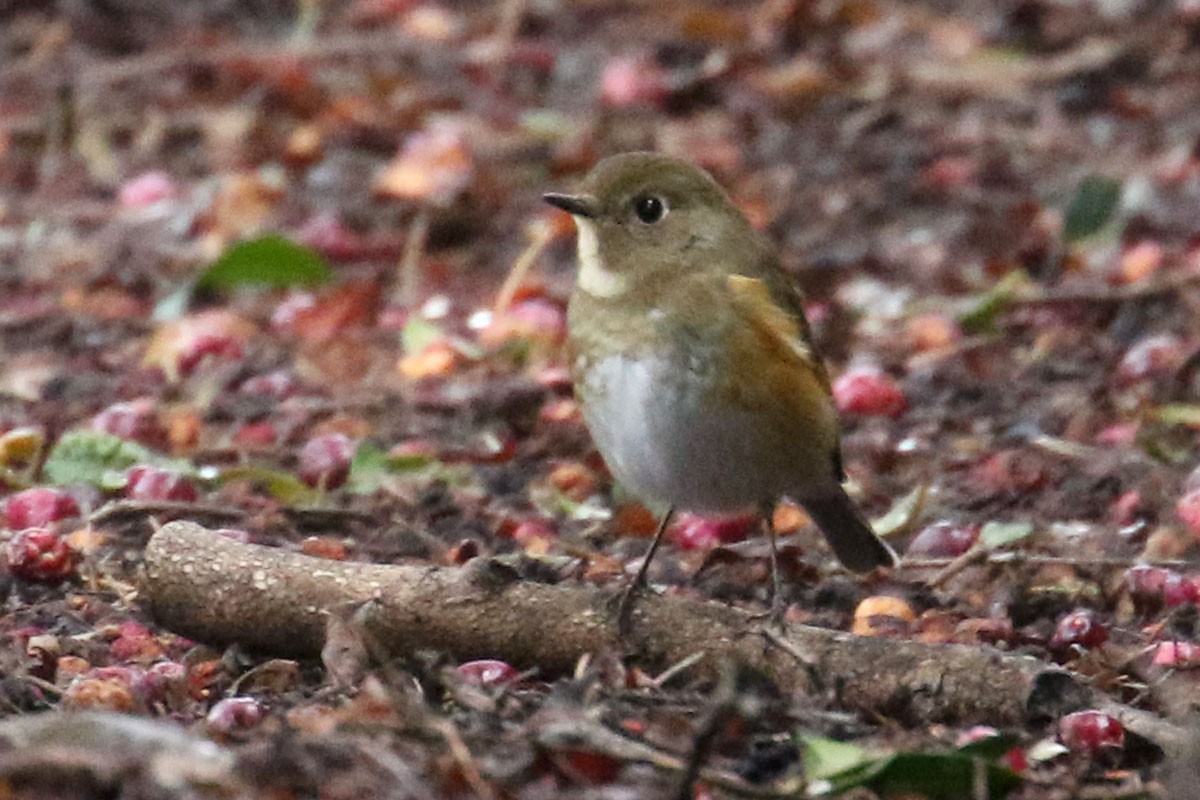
(666, 441)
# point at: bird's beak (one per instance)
(577, 205)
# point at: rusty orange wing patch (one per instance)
(778, 331)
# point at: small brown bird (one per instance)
(692, 359)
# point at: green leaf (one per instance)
(1091, 208)
(987, 308)
(418, 334)
(268, 260)
(991, 747)
(1179, 414)
(372, 465)
(998, 534)
(825, 757)
(903, 512)
(283, 486)
(98, 458)
(938, 776)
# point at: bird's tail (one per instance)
(848, 532)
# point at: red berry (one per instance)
(1188, 509)
(135, 643)
(943, 540)
(1151, 587)
(1090, 732)
(136, 420)
(326, 547)
(218, 345)
(36, 554)
(487, 672)
(325, 460)
(868, 391)
(234, 714)
(1079, 629)
(694, 532)
(155, 485)
(37, 507)
(256, 434)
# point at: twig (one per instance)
(1018, 557)
(540, 235)
(973, 556)
(215, 589)
(676, 668)
(410, 259)
(464, 759)
(171, 508)
(1109, 295)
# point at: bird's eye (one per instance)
(649, 209)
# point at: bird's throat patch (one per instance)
(595, 278)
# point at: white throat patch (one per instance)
(595, 278)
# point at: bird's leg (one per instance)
(778, 607)
(639, 580)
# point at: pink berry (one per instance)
(136, 420)
(146, 189)
(164, 682)
(1177, 654)
(694, 532)
(330, 237)
(1124, 510)
(278, 385)
(1188, 509)
(233, 715)
(155, 485)
(36, 554)
(488, 672)
(1152, 587)
(1090, 732)
(1151, 357)
(633, 81)
(38, 507)
(943, 540)
(1079, 629)
(291, 309)
(1120, 433)
(870, 392)
(325, 460)
(975, 734)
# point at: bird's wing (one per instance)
(782, 331)
(790, 378)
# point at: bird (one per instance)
(693, 363)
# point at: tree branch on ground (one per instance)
(214, 589)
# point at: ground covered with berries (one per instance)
(282, 270)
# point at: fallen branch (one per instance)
(215, 589)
